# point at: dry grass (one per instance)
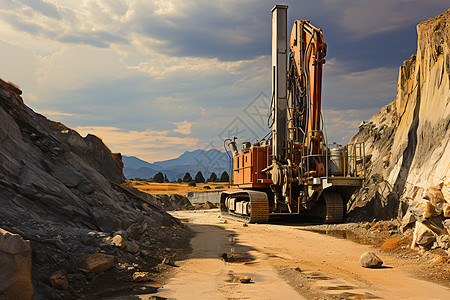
(393, 243)
(175, 188)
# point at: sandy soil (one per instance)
(286, 262)
(175, 188)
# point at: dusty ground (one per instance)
(290, 262)
(174, 188)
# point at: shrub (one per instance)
(192, 183)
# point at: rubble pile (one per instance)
(407, 145)
(63, 196)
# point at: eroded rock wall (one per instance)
(65, 194)
(409, 138)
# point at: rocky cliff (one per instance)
(407, 142)
(65, 194)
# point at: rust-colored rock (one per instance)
(15, 267)
(59, 281)
(141, 276)
(97, 262)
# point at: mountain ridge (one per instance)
(205, 161)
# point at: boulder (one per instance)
(132, 247)
(97, 262)
(434, 195)
(370, 260)
(59, 281)
(443, 241)
(408, 220)
(423, 235)
(446, 210)
(428, 209)
(446, 224)
(15, 267)
(119, 241)
(141, 276)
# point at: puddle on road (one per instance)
(339, 288)
(333, 287)
(348, 295)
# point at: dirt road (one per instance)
(284, 262)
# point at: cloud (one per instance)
(139, 64)
(151, 145)
(55, 113)
(346, 89)
(183, 127)
(46, 8)
(341, 125)
(365, 18)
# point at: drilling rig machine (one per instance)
(294, 171)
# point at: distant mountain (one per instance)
(190, 161)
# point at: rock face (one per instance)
(66, 194)
(15, 267)
(408, 140)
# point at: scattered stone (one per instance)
(370, 260)
(168, 249)
(15, 267)
(40, 257)
(141, 276)
(244, 225)
(132, 247)
(168, 261)
(59, 281)
(224, 257)
(298, 269)
(119, 241)
(209, 205)
(245, 279)
(97, 262)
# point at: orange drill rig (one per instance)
(294, 171)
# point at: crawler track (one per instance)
(259, 206)
(334, 207)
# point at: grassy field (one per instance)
(175, 188)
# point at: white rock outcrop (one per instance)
(408, 140)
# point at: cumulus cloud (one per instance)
(183, 127)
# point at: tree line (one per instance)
(160, 178)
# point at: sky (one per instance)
(156, 78)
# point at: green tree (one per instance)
(179, 180)
(159, 177)
(199, 177)
(224, 177)
(187, 177)
(165, 178)
(212, 177)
